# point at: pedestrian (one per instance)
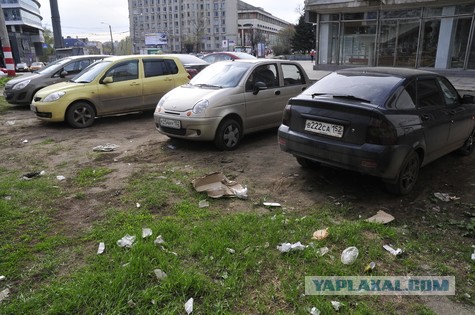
(312, 54)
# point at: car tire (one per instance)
(468, 145)
(306, 163)
(407, 177)
(228, 135)
(80, 115)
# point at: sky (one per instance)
(91, 18)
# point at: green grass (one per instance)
(52, 271)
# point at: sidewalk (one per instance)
(463, 82)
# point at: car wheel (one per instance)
(228, 135)
(80, 115)
(407, 175)
(467, 147)
(306, 163)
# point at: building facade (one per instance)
(435, 34)
(196, 25)
(23, 21)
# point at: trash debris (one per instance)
(336, 305)
(473, 255)
(445, 197)
(393, 251)
(138, 205)
(349, 255)
(287, 247)
(380, 217)
(101, 248)
(126, 241)
(60, 177)
(2, 278)
(324, 250)
(314, 311)
(160, 274)
(159, 240)
(171, 147)
(217, 185)
(146, 232)
(370, 267)
(189, 306)
(7, 198)
(31, 175)
(271, 204)
(10, 122)
(108, 147)
(25, 141)
(320, 234)
(230, 250)
(203, 204)
(4, 294)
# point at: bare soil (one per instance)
(28, 144)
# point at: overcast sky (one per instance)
(85, 18)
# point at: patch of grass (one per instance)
(88, 176)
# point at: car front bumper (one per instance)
(48, 111)
(196, 128)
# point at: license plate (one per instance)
(33, 108)
(170, 123)
(324, 128)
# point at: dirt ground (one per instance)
(28, 144)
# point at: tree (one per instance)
(304, 37)
(124, 47)
(284, 41)
(49, 41)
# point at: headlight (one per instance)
(160, 103)
(21, 85)
(200, 107)
(54, 96)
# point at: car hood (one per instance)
(184, 97)
(62, 86)
(23, 78)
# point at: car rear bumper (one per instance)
(376, 160)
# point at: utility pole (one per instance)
(7, 49)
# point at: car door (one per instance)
(124, 92)
(159, 78)
(434, 116)
(293, 79)
(264, 107)
(460, 115)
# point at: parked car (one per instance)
(21, 67)
(226, 55)
(192, 64)
(229, 99)
(35, 66)
(115, 85)
(385, 122)
(21, 90)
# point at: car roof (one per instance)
(397, 72)
(186, 58)
(127, 57)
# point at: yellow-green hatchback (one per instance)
(115, 85)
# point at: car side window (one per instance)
(450, 94)
(292, 75)
(124, 71)
(266, 74)
(158, 67)
(429, 93)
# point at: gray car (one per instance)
(21, 90)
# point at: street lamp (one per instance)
(112, 40)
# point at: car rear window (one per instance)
(375, 88)
(157, 67)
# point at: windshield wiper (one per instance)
(318, 94)
(352, 97)
(208, 85)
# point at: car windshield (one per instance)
(221, 74)
(54, 66)
(91, 72)
(372, 88)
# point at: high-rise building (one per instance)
(23, 21)
(195, 25)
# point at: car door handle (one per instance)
(277, 92)
(134, 84)
(426, 117)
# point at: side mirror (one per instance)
(107, 80)
(259, 86)
(63, 73)
(468, 99)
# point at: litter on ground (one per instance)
(108, 147)
(381, 217)
(320, 234)
(216, 185)
(288, 247)
(126, 241)
(393, 251)
(101, 248)
(349, 255)
(160, 274)
(189, 306)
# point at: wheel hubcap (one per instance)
(410, 174)
(82, 115)
(231, 136)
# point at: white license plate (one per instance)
(324, 128)
(170, 123)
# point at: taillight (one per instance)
(286, 115)
(381, 131)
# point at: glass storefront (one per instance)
(441, 37)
